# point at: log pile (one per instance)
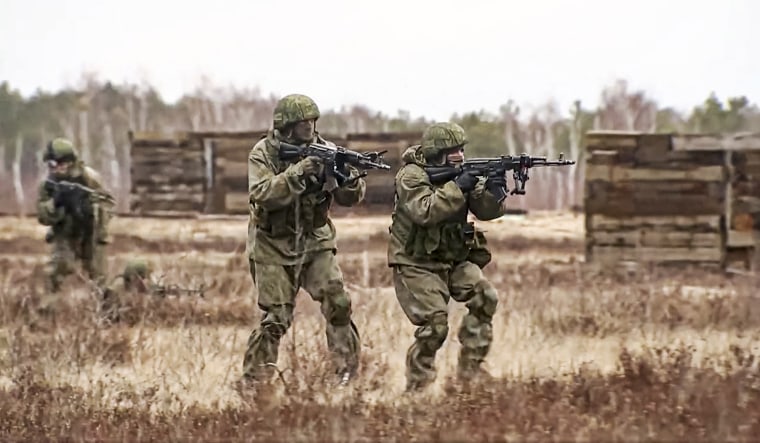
(742, 211)
(168, 174)
(380, 188)
(646, 202)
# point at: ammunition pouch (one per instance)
(445, 242)
(282, 222)
(479, 253)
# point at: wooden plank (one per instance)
(611, 140)
(653, 254)
(167, 188)
(617, 173)
(653, 238)
(233, 169)
(670, 206)
(653, 148)
(698, 223)
(739, 239)
(235, 184)
(606, 157)
(654, 189)
(236, 202)
(716, 142)
(746, 204)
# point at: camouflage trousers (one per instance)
(424, 297)
(66, 252)
(277, 288)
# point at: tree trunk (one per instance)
(17, 178)
(84, 137)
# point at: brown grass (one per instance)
(578, 355)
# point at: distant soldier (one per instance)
(291, 240)
(134, 280)
(436, 254)
(76, 206)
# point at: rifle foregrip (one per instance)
(441, 175)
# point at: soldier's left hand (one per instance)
(496, 184)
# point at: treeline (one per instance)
(97, 116)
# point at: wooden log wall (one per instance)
(742, 210)
(380, 187)
(646, 202)
(168, 174)
(672, 198)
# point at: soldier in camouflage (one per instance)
(291, 241)
(436, 254)
(73, 237)
(134, 280)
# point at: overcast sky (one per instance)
(431, 58)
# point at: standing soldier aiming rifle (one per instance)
(437, 255)
(294, 175)
(73, 202)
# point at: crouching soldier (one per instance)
(436, 254)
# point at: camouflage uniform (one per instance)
(133, 280)
(70, 242)
(291, 244)
(434, 258)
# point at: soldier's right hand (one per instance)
(59, 199)
(466, 181)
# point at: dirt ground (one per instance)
(578, 353)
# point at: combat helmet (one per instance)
(136, 268)
(60, 150)
(294, 108)
(440, 137)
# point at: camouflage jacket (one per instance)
(281, 201)
(428, 221)
(62, 224)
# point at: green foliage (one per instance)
(713, 117)
(486, 134)
(83, 113)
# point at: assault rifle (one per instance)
(164, 290)
(335, 158)
(495, 167)
(74, 197)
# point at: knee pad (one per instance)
(340, 309)
(433, 333)
(277, 321)
(484, 303)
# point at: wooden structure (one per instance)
(207, 172)
(380, 188)
(669, 198)
(168, 174)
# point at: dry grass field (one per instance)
(579, 354)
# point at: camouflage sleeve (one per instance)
(47, 214)
(483, 204)
(95, 181)
(427, 205)
(269, 190)
(352, 194)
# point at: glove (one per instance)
(59, 199)
(497, 185)
(310, 166)
(466, 181)
(342, 172)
